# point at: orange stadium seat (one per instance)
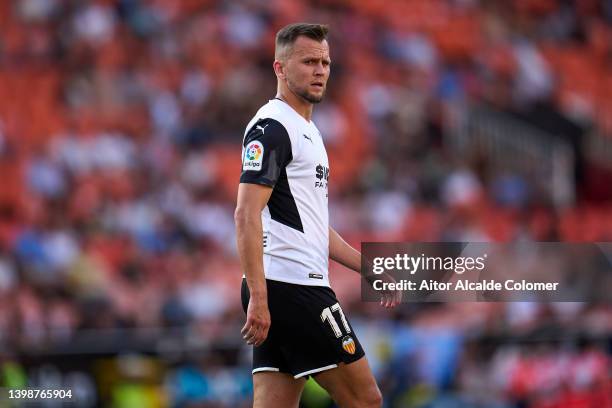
(423, 224)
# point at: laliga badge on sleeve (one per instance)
(253, 156)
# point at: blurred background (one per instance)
(445, 120)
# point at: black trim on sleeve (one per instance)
(276, 152)
(276, 156)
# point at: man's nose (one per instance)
(319, 69)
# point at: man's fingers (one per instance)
(263, 334)
(398, 297)
(255, 333)
(390, 300)
(249, 329)
(245, 329)
(260, 336)
(252, 336)
(248, 336)
(385, 301)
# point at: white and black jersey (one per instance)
(283, 150)
(309, 332)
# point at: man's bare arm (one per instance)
(252, 198)
(341, 252)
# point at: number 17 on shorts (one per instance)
(348, 344)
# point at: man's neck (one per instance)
(302, 107)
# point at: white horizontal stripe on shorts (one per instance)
(258, 369)
(316, 370)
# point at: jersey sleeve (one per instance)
(266, 151)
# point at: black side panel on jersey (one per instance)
(282, 205)
(276, 156)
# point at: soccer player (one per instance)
(294, 320)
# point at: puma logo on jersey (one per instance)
(308, 137)
(263, 129)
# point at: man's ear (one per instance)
(279, 69)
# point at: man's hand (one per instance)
(255, 330)
(389, 298)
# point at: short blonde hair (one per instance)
(286, 36)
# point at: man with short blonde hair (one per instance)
(294, 320)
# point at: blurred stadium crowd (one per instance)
(120, 131)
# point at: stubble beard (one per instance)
(304, 94)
